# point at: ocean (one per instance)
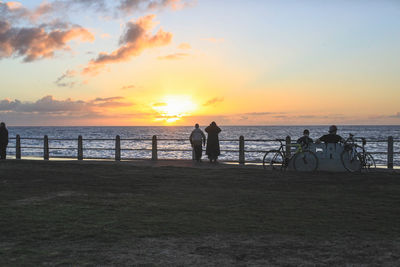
(59, 148)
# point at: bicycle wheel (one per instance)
(273, 160)
(368, 163)
(351, 162)
(305, 161)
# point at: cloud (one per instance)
(263, 113)
(160, 104)
(175, 56)
(50, 105)
(137, 37)
(36, 43)
(213, 101)
(126, 87)
(213, 40)
(128, 6)
(184, 46)
(60, 82)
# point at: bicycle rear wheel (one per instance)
(351, 163)
(305, 161)
(368, 161)
(273, 160)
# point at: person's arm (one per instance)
(7, 137)
(204, 138)
(218, 129)
(190, 138)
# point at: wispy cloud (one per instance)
(61, 81)
(126, 87)
(184, 46)
(137, 37)
(213, 101)
(175, 56)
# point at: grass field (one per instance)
(107, 213)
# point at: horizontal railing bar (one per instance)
(135, 139)
(136, 149)
(99, 149)
(31, 147)
(62, 148)
(66, 139)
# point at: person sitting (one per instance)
(305, 140)
(332, 137)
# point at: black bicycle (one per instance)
(302, 160)
(355, 158)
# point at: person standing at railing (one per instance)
(212, 149)
(197, 140)
(3, 140)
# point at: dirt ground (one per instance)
(119, 214)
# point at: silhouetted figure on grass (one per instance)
(305, 140)
(197, 140)
(332, 137)
(213, 150)
(3, 140)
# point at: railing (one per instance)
(155, 148)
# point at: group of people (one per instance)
(332, 137)
(198, 140)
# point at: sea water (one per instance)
(68, 148)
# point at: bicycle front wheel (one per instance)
(368, 161)
(273, 160)
(305, 161)
(351, 161)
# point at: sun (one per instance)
(172, 108)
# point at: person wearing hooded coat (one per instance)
(213, 150)
(3, 140)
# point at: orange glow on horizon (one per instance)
(173, 108)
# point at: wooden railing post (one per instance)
(288, 147)
(118, 148)
(241, 150)
(390, 153)
(18, 147)
(80, 148)
(46, 148)
(154, 153)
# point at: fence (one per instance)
(154, 150)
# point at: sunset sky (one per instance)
(177, 62)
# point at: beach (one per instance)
(179, 213)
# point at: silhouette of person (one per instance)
(332, 137)
(3, 140)
(212, 149)
(197, 139)
(305, 140)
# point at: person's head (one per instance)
(2, 125)
(332, 129)
(213, 124)
(196, 126)
(306, 132)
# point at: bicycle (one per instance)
(352, 159)
(277, 159)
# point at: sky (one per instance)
(180, 62)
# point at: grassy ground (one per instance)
(90, 213)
